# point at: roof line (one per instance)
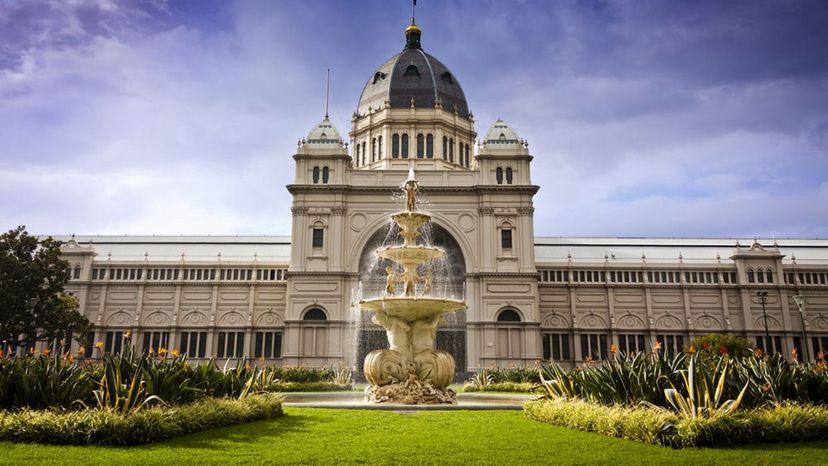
(430, 71)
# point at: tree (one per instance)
(33, 303)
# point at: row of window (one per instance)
(806, 278)
(189, 274)
(400, 148)
(326, 173)
(194, 344)
(760, 276)
(597, 276)
(556, 346)
(499, 175)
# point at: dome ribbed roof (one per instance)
(413, 74)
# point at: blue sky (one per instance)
(646, 118)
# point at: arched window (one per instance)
(405, 146)
(760, 276)
(430, 146)
(77, 270)
(460, 153)
(315, 175)
(395, 146)
(374, 150)
(751, 278)
(769, 274)
(499, 175)
(468, 159)
(508, 175)
(379, 147)
(508, 315)
(358, 160)
(315, 314)
(364, 153)
(445, 148)
(451, 149)
(325, 175)
(420, 146)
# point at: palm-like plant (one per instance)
(122, 395)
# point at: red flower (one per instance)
(722, 350)
(706, 345)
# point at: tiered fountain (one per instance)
(411, 371)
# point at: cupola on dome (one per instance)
(413, 77)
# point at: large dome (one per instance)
(413, 74)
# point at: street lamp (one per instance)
(763, 299)
(800, 303)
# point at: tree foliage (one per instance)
(33, 303)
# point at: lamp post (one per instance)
(763, 300)
(800, 304)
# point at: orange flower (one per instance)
(758, 353)
(71, 359)
(656, 346)
(794, 354)
(32, 351)
(174, 353)
(162, 350)
(151, 350)
(613, 348)
(81, 350)
(46, 351)
(99, 344)
(1, 353)
(588, 360)
(820, 365)
(691, 349)
(821, 355)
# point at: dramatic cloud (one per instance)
(645, 118)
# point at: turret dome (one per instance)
(324, 133)
(502, 136)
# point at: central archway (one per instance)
(449, 282)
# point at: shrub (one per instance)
(777, 423)
(714, 344)
(108, 427)
(42, 382)
(308, 387)
(515, 387)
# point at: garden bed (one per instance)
(108, 427)
(777, 423)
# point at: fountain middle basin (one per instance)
(412, 308)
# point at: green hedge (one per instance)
(779, 423)
(516, 387)
(105, 427)
(308, 387)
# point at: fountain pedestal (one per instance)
(411, 370)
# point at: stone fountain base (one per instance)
(411, 392)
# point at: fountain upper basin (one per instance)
(411, 308)
(410, 254)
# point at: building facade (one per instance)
(287, 300)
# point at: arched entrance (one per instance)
(449, 281)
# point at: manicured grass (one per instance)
(326, 436)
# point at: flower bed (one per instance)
(516, 387)
(109, 427)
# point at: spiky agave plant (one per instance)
(122, 395)
(556, 383)
(700, 400)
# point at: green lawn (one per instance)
(326, 436)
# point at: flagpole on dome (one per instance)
(413, 8)
(327, 92)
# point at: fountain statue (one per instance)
(411, 370)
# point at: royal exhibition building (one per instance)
(289, 300)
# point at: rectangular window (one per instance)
(113, 343)
(318, 237)
(230, 344)
(268, 345)
(671, 344)
(556, 347)
(506, 238)
(155, 340)
(193, 344)
(770, 345)
(631, 343)
(594, 345)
